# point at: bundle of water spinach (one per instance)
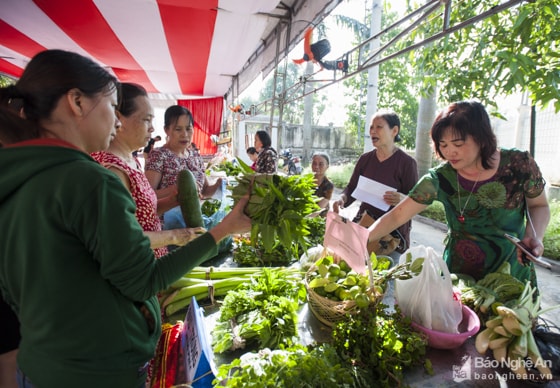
(278, 206)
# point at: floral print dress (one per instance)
(169, 164)
(142, 193)
(477, 245)
(267, 161)
(197, 167)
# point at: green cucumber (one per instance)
(188, 199)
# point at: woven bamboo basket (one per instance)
(330, 312)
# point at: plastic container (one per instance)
(469, 326)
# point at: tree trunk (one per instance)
(426, 115)
(373, 72)
(307, 117)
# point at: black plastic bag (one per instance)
(547, 337)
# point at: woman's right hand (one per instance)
(337, 205)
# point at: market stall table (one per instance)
(462, 366)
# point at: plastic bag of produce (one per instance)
(428, 298)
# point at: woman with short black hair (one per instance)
(486, 191)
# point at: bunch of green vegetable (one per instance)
(496, 287)
(297, 366)
(262, 312)
(380, 344)
(509, 334)
(372, 349)
(203, 283)
(230, 168)
(316, 226)
(246, 253)
(277, 207)
(210, 206)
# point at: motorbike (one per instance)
(291, 163)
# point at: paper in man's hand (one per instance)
(371, 192)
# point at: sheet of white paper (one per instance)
(370, 191)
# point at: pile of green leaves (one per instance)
(231, 169)
(297, 366)
(317, 226)
(252, 253)
(380, 344)
(278, 206)
(247, 254)
(551, 238)
(262, 312)
(210, 206)
(371, 349)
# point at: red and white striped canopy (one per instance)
(181, 48)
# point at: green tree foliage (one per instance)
(396, 84)
(514, 50)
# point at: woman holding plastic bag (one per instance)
(486, 191)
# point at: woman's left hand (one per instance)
(185, 235)
(535, 246)
(392, 198)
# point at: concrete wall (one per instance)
(336, 142)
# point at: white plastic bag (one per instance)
(428, 298)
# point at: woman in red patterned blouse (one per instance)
(136, 116)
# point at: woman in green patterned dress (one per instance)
(486, 191)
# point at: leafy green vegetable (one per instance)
(245, 167)
(210, 206)
(246, 253)
(230, 168)
(380, 344)
(261, 312)
(297, 366)
(372, 349)
(277, 207)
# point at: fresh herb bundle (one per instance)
(317, 227)
(381, 344)
(245, 253)
(263, 311)
(278, 206)
(297, 366)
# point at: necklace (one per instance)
(461, 217)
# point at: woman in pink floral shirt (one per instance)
(136, 116)
(165, 163)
